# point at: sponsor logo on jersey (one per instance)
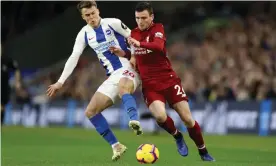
(158, 34)
(108, 32)
(104, 46)
(141, 51)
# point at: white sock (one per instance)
(202, 147)
(113, 145)
(176, 131)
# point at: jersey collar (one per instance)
(100, 23)
(151, 24)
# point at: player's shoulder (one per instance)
(135, 30)
(158, 30)
(111, 20)
(158, 25)
(85, 28)
(114, 23)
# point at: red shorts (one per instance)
(172, 94)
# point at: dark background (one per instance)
(221, 50)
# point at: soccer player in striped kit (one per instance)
(104, 36)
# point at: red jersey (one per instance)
(151, 57)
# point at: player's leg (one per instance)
(128, 82)
(98, 103)
(183, 110)
(178, 101)
(156, 103)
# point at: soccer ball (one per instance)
(147, 154)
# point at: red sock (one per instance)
(196, 135)
(168, 125)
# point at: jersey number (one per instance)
(128, 73)
(180, 90)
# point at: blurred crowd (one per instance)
(81, 85)
(233, 62)
(236, 62)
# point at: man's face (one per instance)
(91, 16)
(143, 19)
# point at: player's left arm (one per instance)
(120, 27)
(159, 39)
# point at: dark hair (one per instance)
(141, 6)
(86, 4)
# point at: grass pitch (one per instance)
(80, 147)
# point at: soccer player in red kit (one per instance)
(159, 81)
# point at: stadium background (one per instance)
(224, 52)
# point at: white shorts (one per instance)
(110, 86)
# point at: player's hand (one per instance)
(117, 51)
(133, 42)
(53, 89)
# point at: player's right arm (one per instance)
(120, 27)
(159, 39)
(71, 63)
(123, 30)
(132, 54)
(158, 42)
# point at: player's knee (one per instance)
(124, 90)
(126, 86)
(91, 111)
(160, 115)
(161, 118)
(157, 108)
(187, 118)
(183, 110)
(189, 121)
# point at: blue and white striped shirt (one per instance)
(111, 32)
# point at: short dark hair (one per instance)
(86, 4)
(141, 6)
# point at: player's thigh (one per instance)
(156, 104)
(175, 94)
(178, 100)
(97, 104)
(129, 81)
(110, 87)
(183, 110)
(158, 110)
(104, 97)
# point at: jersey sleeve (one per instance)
(72, 61)
(159, 39)
(120, 27)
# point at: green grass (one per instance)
(79, 147)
